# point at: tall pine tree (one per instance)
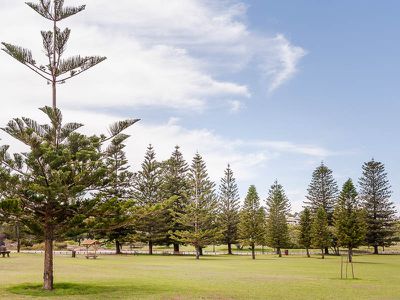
(229, 208)
(349, 219)
(115, 209)
(200, 214)
(375, 192)
(151, 225)
(175, 186)
(278, 207)
(305, 238)
(252, 221)
(59, 167)
(322, 192)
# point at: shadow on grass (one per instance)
(76, 289)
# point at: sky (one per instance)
(271, 87)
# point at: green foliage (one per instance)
(278, 207)
(252, 219)
(322, 191)
(229, 207)
(114, 210)
(349, 220)
(200, 214)
(320, 230)
(55, 11)
(151, 225)
(375, 193)
(52, 180)
(305, 238)
(175, 186)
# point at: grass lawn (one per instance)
(220, 277)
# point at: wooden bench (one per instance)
(91, 255)
(4, 253)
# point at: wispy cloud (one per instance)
(281, 60)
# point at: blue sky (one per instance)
(272, 87)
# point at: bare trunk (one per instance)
(117, 247)
(230, 248)
(350, 253)
(323, 253)
(48, 278)
(176, 248)
(150, 247)
(279, 252)
(308, 252)
(197, 252)
(376, 249)
(253, 251)
(18, 238)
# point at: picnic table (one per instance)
(4, 253)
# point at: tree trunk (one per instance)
(253, 252)
(150, 247)
(229, 248)
(326, 250)
(350, 252)
(323, 253)
(279, 251)
(18, 238)
(176, 248)
(48, 278)
(308, 252)
(117, 247)
(197, 252)
(376, 249)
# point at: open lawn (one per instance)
(220, 277)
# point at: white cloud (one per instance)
(160, 53)
(283, 66)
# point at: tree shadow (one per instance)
(77, 289)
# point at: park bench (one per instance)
(4, 253)
(91, 255)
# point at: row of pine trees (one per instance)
(177, 203)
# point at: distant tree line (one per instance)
(173, 203)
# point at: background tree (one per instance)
(305, 238)
(11, 215)
(322, 192)
(115, 210)
(175, 186)
(229, 208)
(200, 215)
(349, 219)
(380, 211)
(252, 221)
(151, 225)
(10, 206)
(320, 231)
(278, 207)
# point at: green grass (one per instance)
(220, 277)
